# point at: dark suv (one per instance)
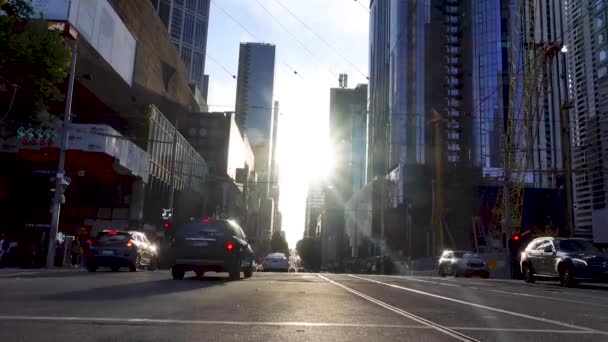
(211, 245)
(570, 260)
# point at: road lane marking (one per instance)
(423, 280)
(545, 297)
(490, 308)
(467, 285)
(433, 325)
(116, 320)
(154, 321)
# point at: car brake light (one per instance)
(229, 246)
(112, 233)
(206, 220)
(130, 244)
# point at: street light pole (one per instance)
(60, 177)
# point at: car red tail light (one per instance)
(229, 246)
(112, 233)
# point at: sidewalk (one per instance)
(16, 272)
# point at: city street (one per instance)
(73, 305)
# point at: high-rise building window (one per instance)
(603, 55)
(601, 72)
(599, 21)
(176, 23)
(601, 38)
(164, 11)
(188, 29)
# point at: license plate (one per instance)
(107, 252)
(200, 244)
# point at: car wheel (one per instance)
(153, 265)
(528, 273)
(566, 276)
(248, 272)
(115, 269)
(485, 275)
(136, 265)
(235, 270)
(454, 272)
(91, 268)
(177, 273)
(441, 272)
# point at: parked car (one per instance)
(464, 263)
(211, 245)
(569, 260)
(116, 249)
(275, 262)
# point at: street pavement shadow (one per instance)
(139, 289)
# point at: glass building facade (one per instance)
(407, 79)
(254, 101)
(378, 103)
(490, 86)
(188, 22)
(587, 54)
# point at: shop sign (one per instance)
(37, 136)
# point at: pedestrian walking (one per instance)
(76, 253)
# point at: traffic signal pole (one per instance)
(60, 177)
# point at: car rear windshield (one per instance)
(113, 237)
(276, 256)
(211, 229)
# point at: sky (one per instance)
(303, 148)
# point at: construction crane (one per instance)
(528, 74)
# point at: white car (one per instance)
(275, 262)
(464, 263)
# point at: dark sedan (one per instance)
(116, 249)
(570, 260)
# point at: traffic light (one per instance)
(166, 224)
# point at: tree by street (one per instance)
(33, 61)
(279, 244)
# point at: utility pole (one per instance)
(567, 160)
(60, 180)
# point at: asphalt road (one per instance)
(75, 305)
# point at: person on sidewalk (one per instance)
(76, 253)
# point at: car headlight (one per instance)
(579, 262)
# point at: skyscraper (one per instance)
(588, 81)
(378, 88)
(188, 22)
(254, 96)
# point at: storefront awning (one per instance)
(87, 138)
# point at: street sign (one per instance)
(167, 214)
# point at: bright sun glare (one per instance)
(303, 158)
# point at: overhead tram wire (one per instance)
(221, 66)
(335, 75)
(321, 38)
(295, 72)
(362, 5)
